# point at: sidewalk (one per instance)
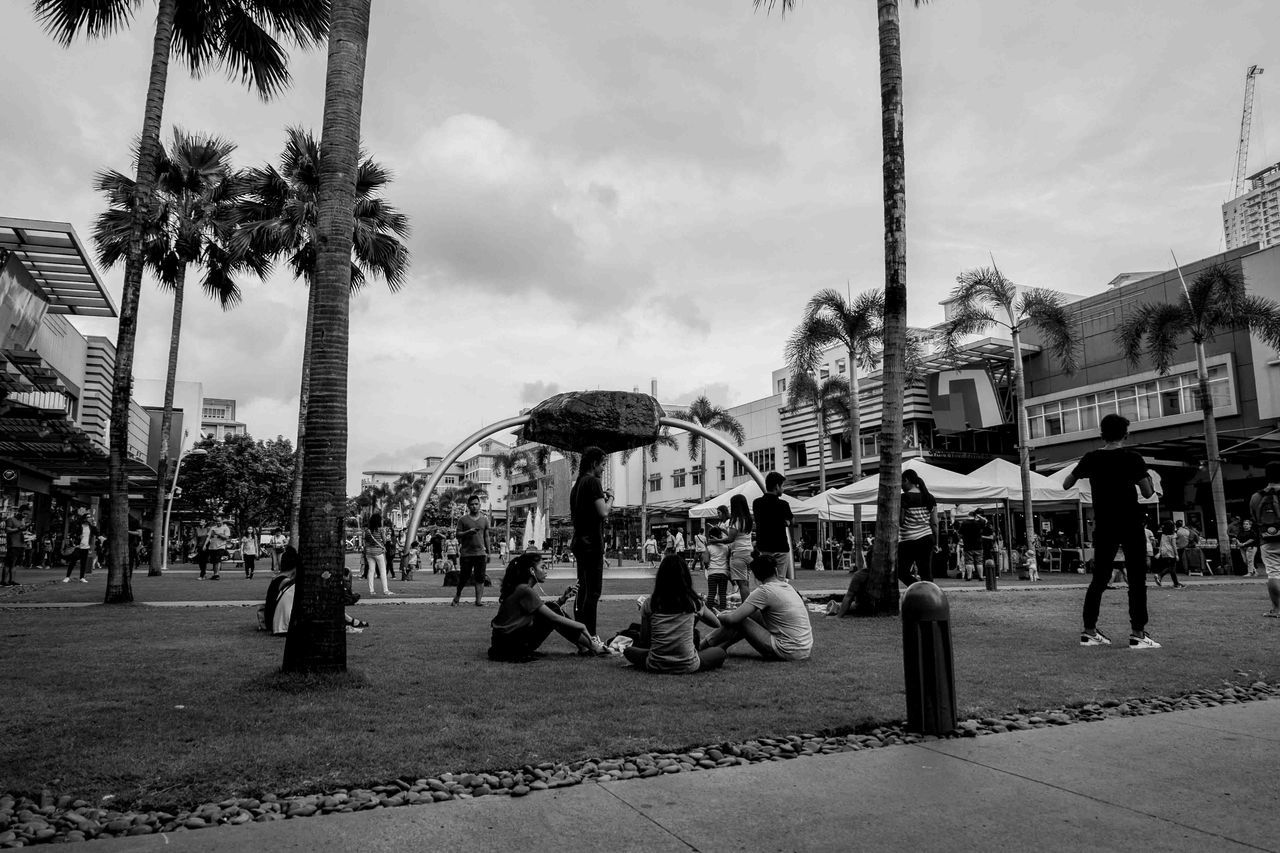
(1188, 780)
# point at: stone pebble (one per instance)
(49, 817)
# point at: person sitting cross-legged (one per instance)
(667, 618)
(524, 620)
(773, 618)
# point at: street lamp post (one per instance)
(168, 512)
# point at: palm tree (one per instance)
(894, 171)
(985, 298)
(828, 398)
(707, 415)
(238, 35)
(191, 221)
(1217, 300)
(858, 326)
(279, 219)
(664, 439)
(317, 640)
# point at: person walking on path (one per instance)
(1264, 507)
(971, 530)
(202, 547)
(473, 539)
(678, 545)
(249, 552)
(375, 553)
(219, 536)
(919, 530)
(15, 534)
(589, 505)
(82, 535)
(451, 551)
(651, 550)
(1249, 547)
(773, 523)
(1113, 472)
(773, 619)
(1166, 559)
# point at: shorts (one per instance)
(773, 642)
(217, 555)
(471, 570)
(973, 557)
(1271, 559)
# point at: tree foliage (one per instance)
(247, 480)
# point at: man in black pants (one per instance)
(590, 505)
(1113, 472)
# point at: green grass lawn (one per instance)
(169, 706)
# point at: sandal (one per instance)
(1272, 614)
(359, 623)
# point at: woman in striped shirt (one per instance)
(919, 530)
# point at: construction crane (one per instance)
(1246, 126)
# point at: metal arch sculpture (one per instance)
(521, 420)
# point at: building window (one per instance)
(870, 444)
(721, 467)
(841, 448)
(762, 459)
(824, 373)
(677, 478)
(782, 386)
(797, 455)
(840, 365)
(697, 475)
(1144, 401)
(655, 483)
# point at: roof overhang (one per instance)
(54, 256)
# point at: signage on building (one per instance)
(963, 400)
(8, 475)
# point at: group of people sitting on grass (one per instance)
(772, 619)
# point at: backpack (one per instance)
(1269, 516)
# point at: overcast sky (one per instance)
(602, 193)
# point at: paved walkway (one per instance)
(1184, 781)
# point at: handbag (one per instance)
(68, 548)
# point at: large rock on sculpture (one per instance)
(610, 420)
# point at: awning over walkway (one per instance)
(54, 256)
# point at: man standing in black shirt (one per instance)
(590, 505)
(773, 520)
(1113, 472)
(972, 533)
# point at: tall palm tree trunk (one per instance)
(304, 392)
(855, 446)
(882, 586)
(119, 582)
(1024, 438)
(166, 421)
(644, 499)
(1214, 462)
(317, 638)
(820, 414)
(703, 478)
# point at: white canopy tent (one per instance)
(1001, 472)
(945, 486)
(1086, 489)
(749, 490)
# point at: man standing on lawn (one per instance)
(15, 530)
(773, 521)
(1264, 507)
(473, 547)
(589, 505)
(1113, 472)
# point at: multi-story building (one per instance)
(218, 419)
(1255, 216)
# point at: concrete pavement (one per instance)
(1200, 780)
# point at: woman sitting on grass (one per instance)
(666, 625)
(524, 620)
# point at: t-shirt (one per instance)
(249, 546)
(1182, 537)
(1113, 474)
(680, 545)
(473, 544)
(14, 528)
(437, 545)
(374, 544)
(451, 546)
(971, 530)
(772, 518)
(717, 559)
(588, 526)
(671, 646)
(784, 616)
(218, 535)
(700, 542)
(515, 611)
(916, 512)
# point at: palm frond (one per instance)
(1044, 311)
(984, 286)
(808, 341)
(1261, 316)
(65, 20)
(968, 319)
(1156, 328)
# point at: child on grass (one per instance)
(667, 618)
(717, 566)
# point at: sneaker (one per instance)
(66, 580)
(1094, 638)
(596, 648)
(1142, 641)
(84, 580)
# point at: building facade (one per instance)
(218, 419)
(1255, 216)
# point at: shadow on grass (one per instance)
(293, 683)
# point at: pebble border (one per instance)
(24, 821)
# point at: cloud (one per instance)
(536, 392)
(406, 458)
(717, 392)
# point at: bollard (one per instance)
(926, 659)
(990, 574)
